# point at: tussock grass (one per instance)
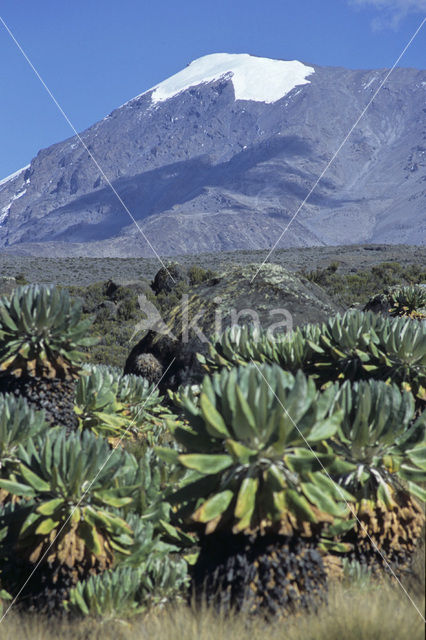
(378, 613)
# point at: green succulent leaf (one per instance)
(46, 526)
(246, 501)
(208, 464)
(213, 507)
(17, 488)
(50, 507)
(240, 452)
(215, 424)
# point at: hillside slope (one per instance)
(220, 156)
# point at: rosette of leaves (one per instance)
(42, 333)
(71, 485)
(401, 356)
(115, 405)
(255, 448)
(127, 591)
(408, 301)
(152, 573)
(18, 424)
(347, 347)
(97, 405)
(112, 595)
(144, 403)
(364, 345)
(254, 445)
(241, 345)
(384, 448)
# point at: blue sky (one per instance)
(96, 55)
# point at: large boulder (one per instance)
(167, 278)
(271, 297)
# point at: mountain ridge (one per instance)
(201, 170)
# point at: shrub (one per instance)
(198, 275)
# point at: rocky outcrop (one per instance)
(271, 297)
(169, 277)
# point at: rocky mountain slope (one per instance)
(220, 156)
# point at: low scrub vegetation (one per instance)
(358, 287)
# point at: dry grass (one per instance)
(352, 614)
(379, 612)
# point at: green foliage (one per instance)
(129, 309)
(113, 329)
(356, 345)
(198, 275)
(72, 482)
(113, 404)
(18, 424)
(350, 288)
(97, 405)
(167, 300)
(382, 443)
(321, 276)
(401, 354)
(362, 345)
(346, 346)
(408, 301)
(357, 575)
(41, 332)
(5, 600)
(254, 445)
(240, 345)
(113, 594)
(125, 591)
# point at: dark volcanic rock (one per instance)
(270, 575)
(54, 396)
(167, 278)
(273, 298)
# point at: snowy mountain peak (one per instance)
(257, 79)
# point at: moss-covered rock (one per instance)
(272, 297)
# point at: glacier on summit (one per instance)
(254, 78)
